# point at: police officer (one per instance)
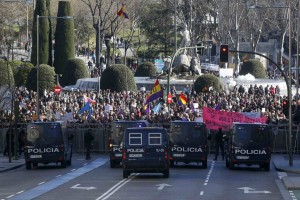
(219, 144)
(88, 139)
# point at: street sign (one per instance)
(57, 89)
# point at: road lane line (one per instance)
(56, 182)
(20, 192)
(201, 193)
(116, 187)
(41, 183)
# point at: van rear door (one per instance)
(252, 142)
(188, 141)
(147, 148)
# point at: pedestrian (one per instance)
(9, 138)
(21, 141)
(88, 139)
(219, 144)
(90, 65)
(93, 57)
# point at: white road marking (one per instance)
(41, 183)
(58, 175)
(72, 170)
(248, 190)
(82, 188)
(20, 192)
(201, 193)
(115, 188)
(281, 174)
(10, 196)
(56, 182)
(162, 185)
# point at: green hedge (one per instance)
(118, 78)
(254, 67)
(204, 82)
(75, 69)
(146, 69)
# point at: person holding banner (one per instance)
(219, 144)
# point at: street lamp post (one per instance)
(38, 62)
(290, 136)
(290, 85)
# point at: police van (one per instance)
(249, 144)
(116, 138)
(188, 142)
(145, 150)
(47, 142)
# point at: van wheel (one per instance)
(63, 164)
(267, 166)
(231, 165)
(112, 164)
(204, 164)
(28, 165)
(125, 173)
(166, 173)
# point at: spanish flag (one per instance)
(122, 12)
(182, 99)
(155, 93)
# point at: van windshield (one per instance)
(44, 134)
(245, 135)
(188, 134)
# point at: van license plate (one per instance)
(135, 155)
(35, 156)
(118, 155)
(242, 157)
(178, 155)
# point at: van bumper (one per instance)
(146, 166)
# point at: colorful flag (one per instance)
(86, 107)
(182, 99)
(157, 108)
(122, 12)
(155, 93)
(147, 108)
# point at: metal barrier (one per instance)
(101, 134)
(99, 131)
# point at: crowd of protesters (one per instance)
(107, 106)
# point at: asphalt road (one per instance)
(96, 181)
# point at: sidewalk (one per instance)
(5, 165)
(281, 163)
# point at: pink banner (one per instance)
(216, 118)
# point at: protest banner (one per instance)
(214, 119)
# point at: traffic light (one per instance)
(224, 53)
(200, 49)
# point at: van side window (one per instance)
(154, 139)
(135, 138)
